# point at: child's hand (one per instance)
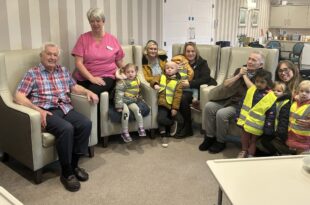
(156, 87)
(119, 109)
(185, 83)
(174, 112)
(120, 75)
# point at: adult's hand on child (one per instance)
(185, 83)
(174, 112)
(156, 87)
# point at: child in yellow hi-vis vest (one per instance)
(127, 95)
(299, 121)
(257, 113)
(169, 98)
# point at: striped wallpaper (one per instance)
(26, 24)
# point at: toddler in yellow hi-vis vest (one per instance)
(169, 98)
(127, 95)
(299, 121)
(257, 114)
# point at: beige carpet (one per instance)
(142, 173)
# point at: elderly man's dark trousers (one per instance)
(72, 133)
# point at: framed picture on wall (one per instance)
(254, 18)
(242, 16)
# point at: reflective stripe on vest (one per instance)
(296, 113)
(255, 117)
(246, 106)
(170, 88)
(279, 106)
(133, 88)
(183, 73)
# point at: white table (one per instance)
(263, 180)
(8, 199)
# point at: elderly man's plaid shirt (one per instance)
(48, 89)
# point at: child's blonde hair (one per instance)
(304, 83)
(281, 84)
(129, 65)
(171, 64)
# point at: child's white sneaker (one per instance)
(242, 154)
(164, 142)
(141, 132)
(126, 137)
(173, 128)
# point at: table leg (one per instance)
(219, 196)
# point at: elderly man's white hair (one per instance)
(50, 44)
(262, 56)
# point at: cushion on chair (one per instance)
(48, 139)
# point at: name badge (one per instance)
(110, 48)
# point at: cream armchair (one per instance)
(133, 54)
(232, 58)
(21, 136)
(211, 53)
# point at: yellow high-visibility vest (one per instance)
(302, 112)
(183, 73)
(170, 88)
(133, 88)
(253, 118)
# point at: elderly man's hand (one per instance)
(185, 83)
(43, 114)
(243, 71)
(92, 97)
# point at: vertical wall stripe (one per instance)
(14, 28)
(79, 18)
(135, 34)
(63, 25)
(35, 25)
(140, 20)
(72, 35)
(93, 3)
(144, 26)
(125, 19)
(159, 27)
(45, 21)
(100, 4)
(24, 24)
(85, 8)
(4, 31)
(149, 21)
(153, 20)
(119, 21)
(113, 22)
(130, 22)
(107, 24)
(54, 21)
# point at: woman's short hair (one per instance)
(96, 13)
(293, 83)
(193, 44)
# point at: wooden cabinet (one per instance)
(289, 17)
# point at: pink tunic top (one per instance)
(98, 57)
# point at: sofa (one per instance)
(21, 136)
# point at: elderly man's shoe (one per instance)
(80, 174)
(71, 183)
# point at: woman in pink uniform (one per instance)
(97, 54)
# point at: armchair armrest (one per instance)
(204, 94)
(150, 96)
(24, 143)
(88, 109)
